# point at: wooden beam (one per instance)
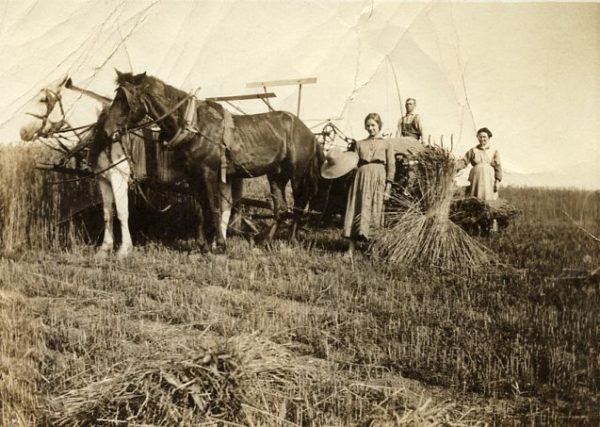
(299, 98)
(257, 203)
(282, 82)
(266, 101)
(64, 169)
(243, 97)
(236, 108)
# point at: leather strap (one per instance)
(189, 126)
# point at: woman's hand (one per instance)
(388, 191)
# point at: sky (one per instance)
(530, 72)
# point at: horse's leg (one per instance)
(199, 207)
(206, 230)
(225, 190)
(301, 198)
(214, 198)
(277, 184)
(237, 189)
(119, 179)
(304, 186)
(107, 210)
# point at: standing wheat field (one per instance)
(292, 335)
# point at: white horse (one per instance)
(114, 176)
(110, 163)
(107, 160)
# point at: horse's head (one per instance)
(140, 95)
(46, 118)
(126, 110)
(130, 78)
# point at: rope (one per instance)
(145, 198)
(330, 131)
(91, 175)
(73, 129)
(165, 115)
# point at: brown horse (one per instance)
(221, 149)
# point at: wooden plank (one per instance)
(243, 97)
(299, 98)
(266, 101)
(250, 225)
(306, 81)
(264, 204)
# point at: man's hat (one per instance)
(338, 163)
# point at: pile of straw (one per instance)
(182, 390)
(278, 388)
(246, 379)
(471, 212)
(419, 231)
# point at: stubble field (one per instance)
(293, 334)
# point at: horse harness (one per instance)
(189, 127)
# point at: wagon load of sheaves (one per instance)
(414, 182)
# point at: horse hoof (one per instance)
(123, 253)
(101, 254)
(219, 249)
(262, 239)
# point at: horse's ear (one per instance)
(120, 77)
(140, 79)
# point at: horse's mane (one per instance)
(150, 85)
(153, 88)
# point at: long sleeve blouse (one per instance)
(478, 155)
(378, 150)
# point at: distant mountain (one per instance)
(584, 175)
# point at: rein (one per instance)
(165, 115)
(133, 178)
(90, 175)
(162, 117)
(73, 129)
(330, 130)
(194, 130)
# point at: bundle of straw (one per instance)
(247, 379)
(418, 229)
(177, 391)
(471, 212)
